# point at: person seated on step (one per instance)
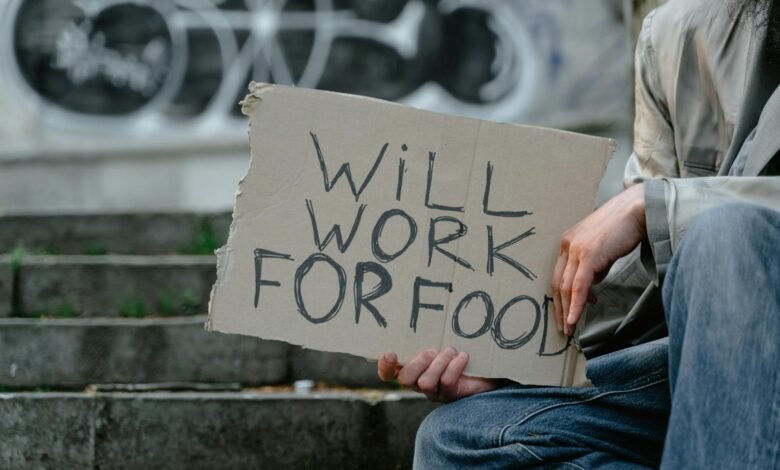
(690, 249)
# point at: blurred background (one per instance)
(121, 145)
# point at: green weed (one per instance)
(17, 257)
(94, 249)
(185, 303)
(166, 304)
(204, 240)
(133, 305)
(190, 305)
(65, 310)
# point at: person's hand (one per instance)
(438, 375)
(590, 248)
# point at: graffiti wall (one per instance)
(118, 104)
(159, 66)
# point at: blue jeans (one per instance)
(720, 365)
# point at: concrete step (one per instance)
(110, 285)
(73, 353)
(218, 430)
(96, 234)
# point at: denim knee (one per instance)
(723, 249)
(431, 435)
(429, 428)
(535, 427)
(717, 238)
(726, 226)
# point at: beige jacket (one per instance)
(704, 83)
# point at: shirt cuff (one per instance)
(656, 251)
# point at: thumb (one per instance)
(388, 367)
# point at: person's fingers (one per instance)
(566, 282)
(448, 389)
(560, 265)
(388, 367)
(580, 289)
(410, 373)
(428, 382)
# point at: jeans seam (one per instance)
(569, 464)
(537, 409)
(647, 379)
(576, 402)
(536, 456)
(533, 454)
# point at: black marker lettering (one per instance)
(416, 305)
(345, 170)
(493, 252)
(547, 301)
(486, 197)
(303, 270)
(335, 231)
(401, 172)
(259, 281)
(364, 299)
(428, 203)
(485, 298)
(525, 337)
(379, 253)
(434, 243)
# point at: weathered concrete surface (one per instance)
(76, 352)
(46, 430)
(160, 353)
(333, 368)
(210, 430)
(6, 286)
(113, 285)
(112, 233)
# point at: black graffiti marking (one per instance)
(463, 75)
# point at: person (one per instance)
(686, 377)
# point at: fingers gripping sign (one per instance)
(438, 375)
(560, 265)
(587, 251)
(590, 248)
(388, 367)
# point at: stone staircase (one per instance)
(104, 362)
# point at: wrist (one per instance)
(637, 204)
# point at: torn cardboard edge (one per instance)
(572, 363)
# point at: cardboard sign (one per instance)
(365, 226)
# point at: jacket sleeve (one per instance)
(685, 198)
(654, 157)
(672, 202)
(654, 153)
